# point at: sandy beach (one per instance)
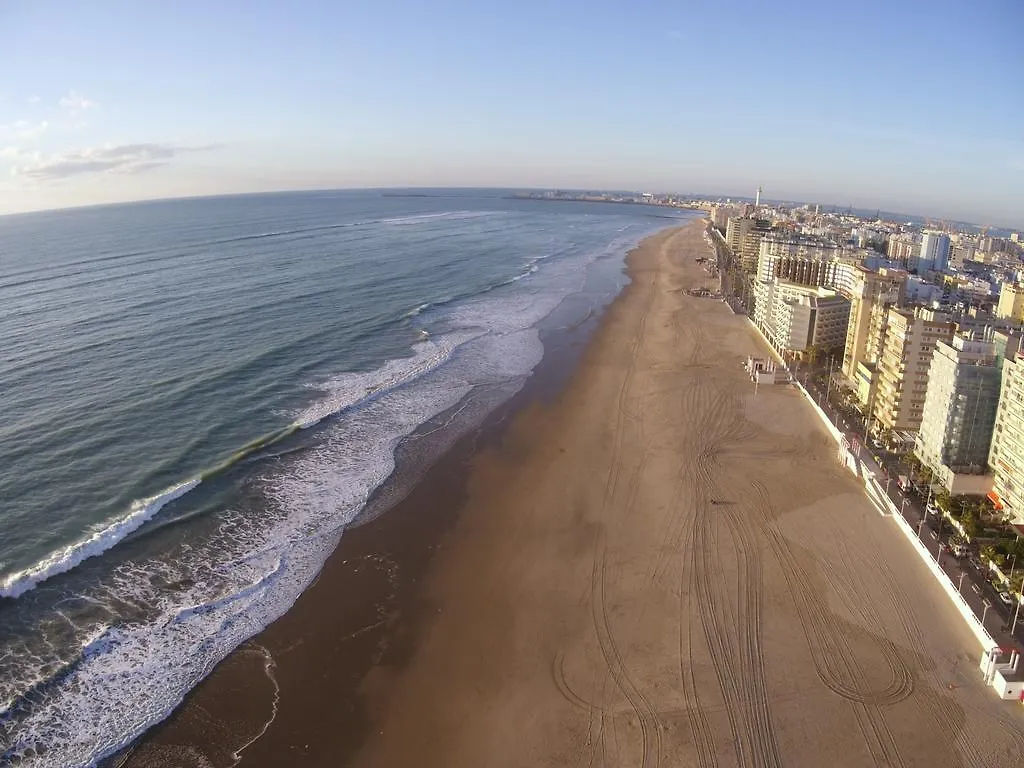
(655, 567)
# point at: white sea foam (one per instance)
(351, 389)
(16, 584)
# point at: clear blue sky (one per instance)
(902, 104)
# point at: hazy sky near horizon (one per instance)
(902, 105)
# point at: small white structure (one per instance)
(764, 371)
(999, 668)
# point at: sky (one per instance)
(900, 105)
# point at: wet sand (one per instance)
(656, 567)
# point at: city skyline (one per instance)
(147, 103)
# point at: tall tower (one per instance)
(757, 199)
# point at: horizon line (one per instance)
(607, 190)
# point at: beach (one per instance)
(646, 563)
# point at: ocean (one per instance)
(200, 395)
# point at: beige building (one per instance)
(720, 215)
(1006, 457)
(798, 318)
(871, 295)
(959, 414)
(902, 248)
(1011, 302)
(902, 370)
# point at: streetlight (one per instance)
(985, 612)
(960, 583)
(1015, 614)
(919, 525)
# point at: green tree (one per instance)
(943, 501)
(988, 552)
(969, 522)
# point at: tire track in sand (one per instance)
(834, 661)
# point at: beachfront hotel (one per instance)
(798, 318)
(959, 414)
(906, 355)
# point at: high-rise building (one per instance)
(902, 249)
(934, 253)
(798, 318)
(1011, 302)
(871, 289)
(720, 215)
(1006, 457)
(902, 372)
(743, 236)
(959, 414)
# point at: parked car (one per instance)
(933, 508)
(1005, 597)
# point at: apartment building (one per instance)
(959, 413)
(1006, 457)
(902, 370)
(902, 248)
(743, 236)
(1011, 302)
(798, 318)
(933, 255)
(882, 288)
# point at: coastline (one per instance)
(646, 564)
(364, 602)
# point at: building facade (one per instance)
(934, 253)
(743, 236)
(1011, 302)
(902, 248)
(1006, 457)
(902, 370)
(871, 290)
(959, 414)
(798, 318)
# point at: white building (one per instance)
(959, 414)
(934, 253)
(797, 318)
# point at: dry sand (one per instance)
(592, 606)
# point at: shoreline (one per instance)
(408, 531)
(651, 564)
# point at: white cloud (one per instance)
(34, 100)
(76, 103)
(23, 129)
(123, 158)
